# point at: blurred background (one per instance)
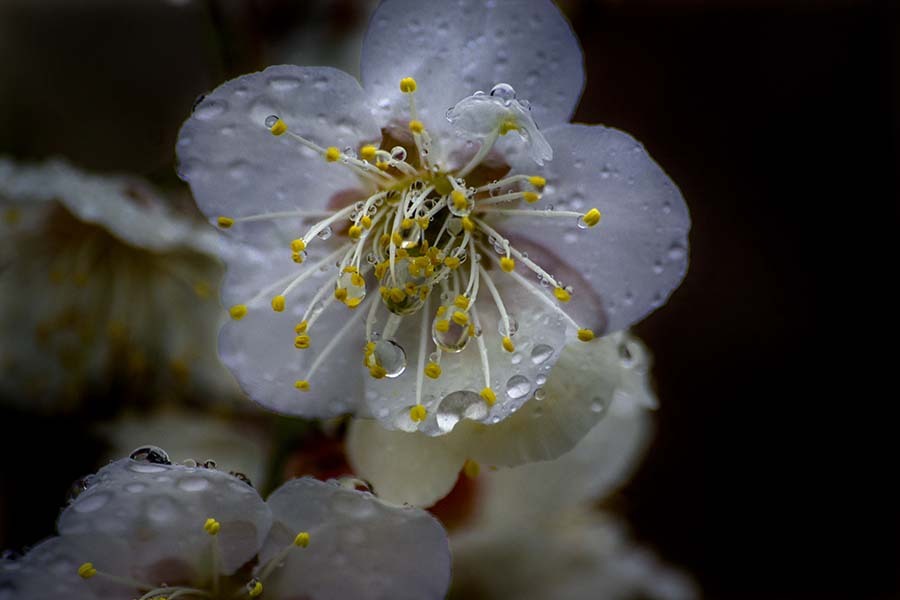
(778, 119)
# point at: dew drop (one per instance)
(207, 110)
(580, 223)
(541, 353)
(658, 267)
(504, 91)
(135, 488)
(518, 387)
(513, 326)
(398, 153)
(516, 358)
(676, 252)
(91, 503)
(150, 454)
(324, 233)
(193, 484)
(598, 405)
(540, 379)
(390, 355)
(454, 339)
(540, 394)
(460, 405)
(284, 84)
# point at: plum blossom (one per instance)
(434, 240)
(152, 530)
(101, 279)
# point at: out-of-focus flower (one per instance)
(153, 530)
(586, 385)
(442, 253)
(193, 437)
(532, 532)
(100, 282)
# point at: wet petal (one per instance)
(638, 253)
(236, 167)
(149, 506)
(404, 467)
(360, 547)
(454, 48)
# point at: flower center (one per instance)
(421, 237)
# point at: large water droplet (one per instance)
(150, 454)
(398, 153)
(391, 356)
(460, 405)
(324, 233)
(504, 91)
(541, 353)
(518, 387)
(454, 339)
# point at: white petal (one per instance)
(638, 253)
(236, 167)
(259, 350)
(359, 546)
(160, 510)
(403, 467)
(457, 47)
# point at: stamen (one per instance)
(504, 316)
(529, 197)
(487, 393)
(331, 345)
(423, 339)
(227, 222)
(525, 260)
(470, 468)
(486, 144)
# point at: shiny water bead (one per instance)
(151, 454)
(450, 330)
(389, 356)
(350, 287)
(460, 405)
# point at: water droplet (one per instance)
(580, 223)
(513, 326)
(135, 488)
(371, 258)
(162, 509)
(325, 233)
(460, 405)
(454, 339)
(398, 153)
(516, 358)
(598, 405)
(518, 387)
(210, 109)
(209, 464)
(193, 484)
(390, 355)
(146, 468)
(676, 252)
(150, 454)
(79, 486)
(541, 353)
(91, 503)
(284, 84)
(504, 91)
(657, 267)
(241, 476)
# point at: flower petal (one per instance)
(160, 510)
(454, 48)
(638, 254)
(259, 349)
(360, 547)
(402, 467)
(236, 167)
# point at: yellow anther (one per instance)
(366, 221)
(254, 589)
(302, 539)
(433, 370)
(531, 197)
(297, 257)
(352, 302)
(397, 294)
(377, 371)
(441, 311)
(508, 125)
(488, 395)
(401, 253)
(462, 302)
(211, 526)
(87, 570)
(301, 327)
(459, 200)
(460, 318)
(340, 294)
(225, 222)
(396, 238)
(383, 165)
(355, 232)
(357, 280)
(301, 342)
(423, 222)
(408, 85)
(367, 152)
(537, 181)
(562, 294)
(416, 126)
(468, 224)
(407, 224)
(507, 264)
(442, 325)
(201, 288)
(238, 311)
(591, 217)
(585, 335)
(349, 269)
(384, 240)
(470, 468)
(298, 245)
(279, 127)
(508, 345)
(418, 413)
(472, 331)
(332, 154)
(451, 262)
(302, 385)
(369, 348)
(278, 303)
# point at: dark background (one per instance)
(771, 473)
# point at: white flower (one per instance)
(421, 256)
(152, 530)
(608, 376)
(101, 281)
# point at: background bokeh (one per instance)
(770, 476)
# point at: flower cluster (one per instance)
(145, 528)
